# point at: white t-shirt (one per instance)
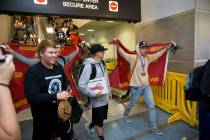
(65, 30)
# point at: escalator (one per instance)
(45, 30)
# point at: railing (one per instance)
(110, 65)
(171, 98)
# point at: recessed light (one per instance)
(50, 30)
(90, 30)
(109, 21)
(82, 34)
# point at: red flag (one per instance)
(121, 76)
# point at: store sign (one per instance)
(92, 9)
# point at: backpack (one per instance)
(93, 66)
(193, 83)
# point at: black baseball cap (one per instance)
(97, 48)
(143, 44)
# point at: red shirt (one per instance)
(76, 39)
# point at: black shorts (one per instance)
(99, 114)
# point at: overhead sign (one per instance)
(92, 9)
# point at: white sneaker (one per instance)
(156, 131)
(127, 119)
(89, 130)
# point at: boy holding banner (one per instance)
(139, 82)
(94, 83)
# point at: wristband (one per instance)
(5, 85)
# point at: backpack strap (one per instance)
(93, 67)
(81, 70)
(103, 62)
(93, 74)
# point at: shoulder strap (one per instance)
(81, 70)
(103, 63)
(93, 74)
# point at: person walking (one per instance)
(139, 82)
(94, 68)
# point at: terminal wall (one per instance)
(181, 29)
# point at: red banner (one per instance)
(121, 76)
(17, 86)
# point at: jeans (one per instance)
(146, 91)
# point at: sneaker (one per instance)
(127, 119)
(156, 131)
(89, 130)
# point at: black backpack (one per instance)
(93, 66)
(193, 83)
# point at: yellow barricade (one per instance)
(171, 98)
(111, 65)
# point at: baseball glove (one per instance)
(64, 110)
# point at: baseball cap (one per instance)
(97, 48)
(143, 44)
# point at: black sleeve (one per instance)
(32, 90)
(205, 83)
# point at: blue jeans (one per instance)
(146, 91)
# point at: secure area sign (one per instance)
(90, 9)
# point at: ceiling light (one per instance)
(50, 30)
(110, 21)
(82, 34)
(90, 30)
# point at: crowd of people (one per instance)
(66, 31)
(24, 30)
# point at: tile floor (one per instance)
(117, 129)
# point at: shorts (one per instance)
(99, 114)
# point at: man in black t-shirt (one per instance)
(45, 85)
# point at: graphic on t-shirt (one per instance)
(54, 86)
